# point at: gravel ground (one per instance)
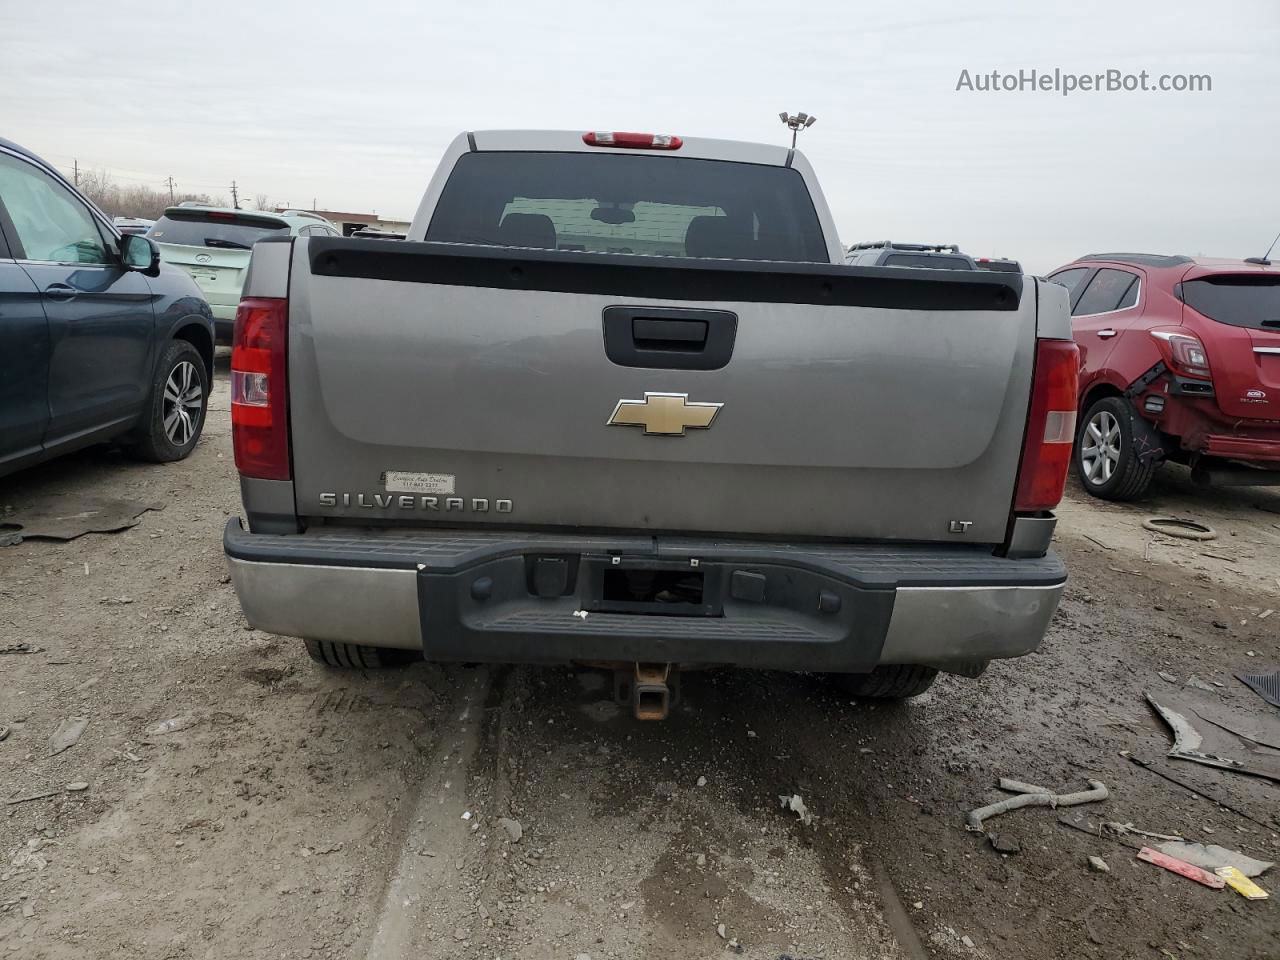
(301, 812)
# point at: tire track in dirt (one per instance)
(425, 905)
(625, 855)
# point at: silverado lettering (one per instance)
(406, 502)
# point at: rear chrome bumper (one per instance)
(465, 597)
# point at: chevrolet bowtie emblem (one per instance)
(664, 414)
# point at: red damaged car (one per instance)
(1179, 360)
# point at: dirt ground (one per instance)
(287, 811)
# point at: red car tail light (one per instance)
(633, 141)
(1051, 426)
(1183, 352)
(259, 391)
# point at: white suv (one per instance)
(213, 244)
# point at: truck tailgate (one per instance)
(444, 383)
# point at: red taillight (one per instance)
(1183, 352)
(633, 141)
(259, 391)
(1051, 426)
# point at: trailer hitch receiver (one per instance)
(648, 687)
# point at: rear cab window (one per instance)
(1241, 300)
(627, 204)
(215, 228)
(937, 262)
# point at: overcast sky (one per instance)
(352, 104)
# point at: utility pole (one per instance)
(75, 167)
(235, 197)
(170, 182)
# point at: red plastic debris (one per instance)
(1188, 870)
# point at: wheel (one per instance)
(1106, 455)
(179, 398)
(889, 681)
(349, 656)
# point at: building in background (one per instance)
(349, 223)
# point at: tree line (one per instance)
(140, 200)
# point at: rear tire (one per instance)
(348, 656)
(889, 681)
(171, 425)
(1106, 456)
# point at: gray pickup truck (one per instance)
(617, 400)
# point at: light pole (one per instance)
(796, 123)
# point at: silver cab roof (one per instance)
(699, 148)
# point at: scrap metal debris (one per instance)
(1218, 799)
(1032, 796)
(1084, 826)
(1253, 735)
(1187, 741)
(1123, 829)
(65, 518)
(1265, 685)
(1212, 857)
(1181, 867)
(1122, 833)
(795, 804)
(67, 735)
(20, 648)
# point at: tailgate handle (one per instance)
(652, 334)
(666, 338)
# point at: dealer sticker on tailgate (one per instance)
(400, 481)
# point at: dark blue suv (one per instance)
(99, 340)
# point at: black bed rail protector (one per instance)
(665, 278)
(864, 565)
